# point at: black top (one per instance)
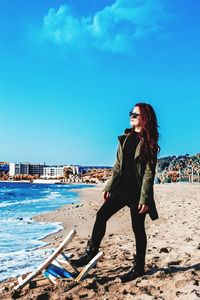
(128, 176)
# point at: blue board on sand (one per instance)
(59, 272)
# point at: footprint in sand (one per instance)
(188, 239)
(174, 263)
(165, 250)
(156, 258)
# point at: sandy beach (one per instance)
(173, 249)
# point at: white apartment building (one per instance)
(25, 168)
(53, 171)
(58, 171)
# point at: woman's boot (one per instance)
(90, 252)
(136, 271)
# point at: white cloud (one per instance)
(116, 28)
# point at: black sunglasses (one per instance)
(133, 114)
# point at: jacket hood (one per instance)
(122, 137)
(127, 130)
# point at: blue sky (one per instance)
(70, 71)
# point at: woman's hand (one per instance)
(142, 208)
(106, 195)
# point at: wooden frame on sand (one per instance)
(78, 276)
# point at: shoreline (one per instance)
(61, 214)
(53, 228)
(173, 249)
(47, 182)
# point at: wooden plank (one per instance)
(66, 262)
(39, 282)
(45, 264)
(86, 269)
(67, 257)
(20, 279)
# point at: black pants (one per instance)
(121, 197)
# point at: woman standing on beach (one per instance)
(131, 184)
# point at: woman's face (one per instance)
(135, 121)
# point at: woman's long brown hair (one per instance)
(149, 132)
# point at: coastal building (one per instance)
(73, 168)
(60, 171)
(53, 171)
(41, 169)
(71, 172)
(26, 169)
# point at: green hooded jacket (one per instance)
(145, 174)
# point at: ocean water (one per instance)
(20, 236)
